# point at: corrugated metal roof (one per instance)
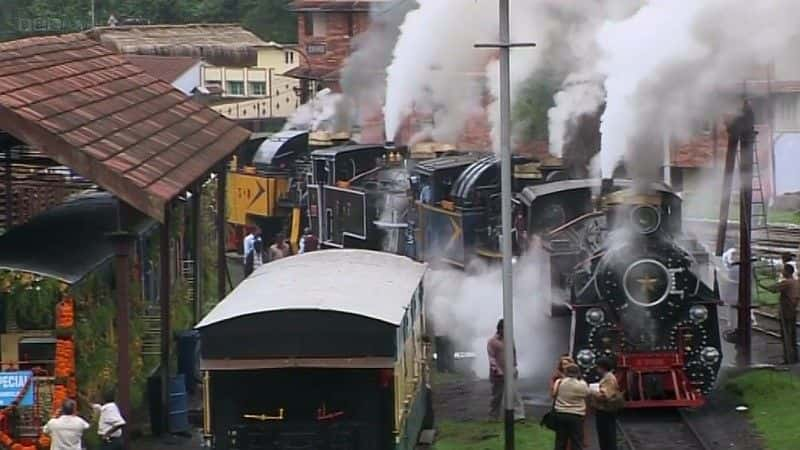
(280, 144)
(108, 120)
(372, 284)
(66, 242)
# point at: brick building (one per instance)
(325, 30)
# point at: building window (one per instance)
(235, 88)
(308, 24)
(350, 25)
(258, 88)
(320, 27)
(786, 112)
(288, 57)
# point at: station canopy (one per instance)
(95, 112)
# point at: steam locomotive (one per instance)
(638, 288)
(620, 264)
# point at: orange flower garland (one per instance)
(66, 385)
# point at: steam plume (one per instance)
(363, 74)
(466, 307)
(667, 66)
(435, 65)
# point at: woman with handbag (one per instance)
(569, 409)
(607, 401)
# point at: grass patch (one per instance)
(453, 435)
(702, 210)
(772, 398)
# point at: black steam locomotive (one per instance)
(636, 288)
(620, 264)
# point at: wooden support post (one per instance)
(123, 244)
(747, 135)
(222, 272)
(727, 182)
(197, 249)
(9, 182)
(164, 294)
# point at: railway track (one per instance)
(768, 324)
(660, 430)
(782, 238)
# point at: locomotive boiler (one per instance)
(635, 288)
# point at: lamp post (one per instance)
(505, 46)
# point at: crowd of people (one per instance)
(572, 397)
(255, 255)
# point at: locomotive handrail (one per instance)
(363, 174)
(574, 221)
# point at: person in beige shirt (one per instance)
(607, 400)
(570, 393)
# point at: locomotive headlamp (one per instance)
(646, 219)
(585, 358)
(710, 355)
(698, 313)
(595, 316)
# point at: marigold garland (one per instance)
(66, 385)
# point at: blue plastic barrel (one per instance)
(178, 405)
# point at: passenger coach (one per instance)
(324, 350)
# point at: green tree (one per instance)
(534, 99)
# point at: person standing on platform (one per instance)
(110, 423)
(789, 290)
(249, 247)
(570, 395)
(495, 349)
(607, 401)
(66, 431)
(280, 249)
(309, 242)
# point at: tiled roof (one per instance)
(93, 111)
(167, 68)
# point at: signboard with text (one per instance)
(11, 384)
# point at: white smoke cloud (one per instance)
(465, 306)
(324, 112)
(363, 74)
(579, 96)
(436, 66)
(666, 65)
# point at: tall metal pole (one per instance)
(505, 46)
(505, 189)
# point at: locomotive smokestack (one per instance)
(389, 145)
(606, 185)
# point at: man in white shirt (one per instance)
(249, 247)
(66, 430)
(110, 423)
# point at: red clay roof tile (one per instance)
(108, 120)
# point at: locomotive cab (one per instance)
(358, 197)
